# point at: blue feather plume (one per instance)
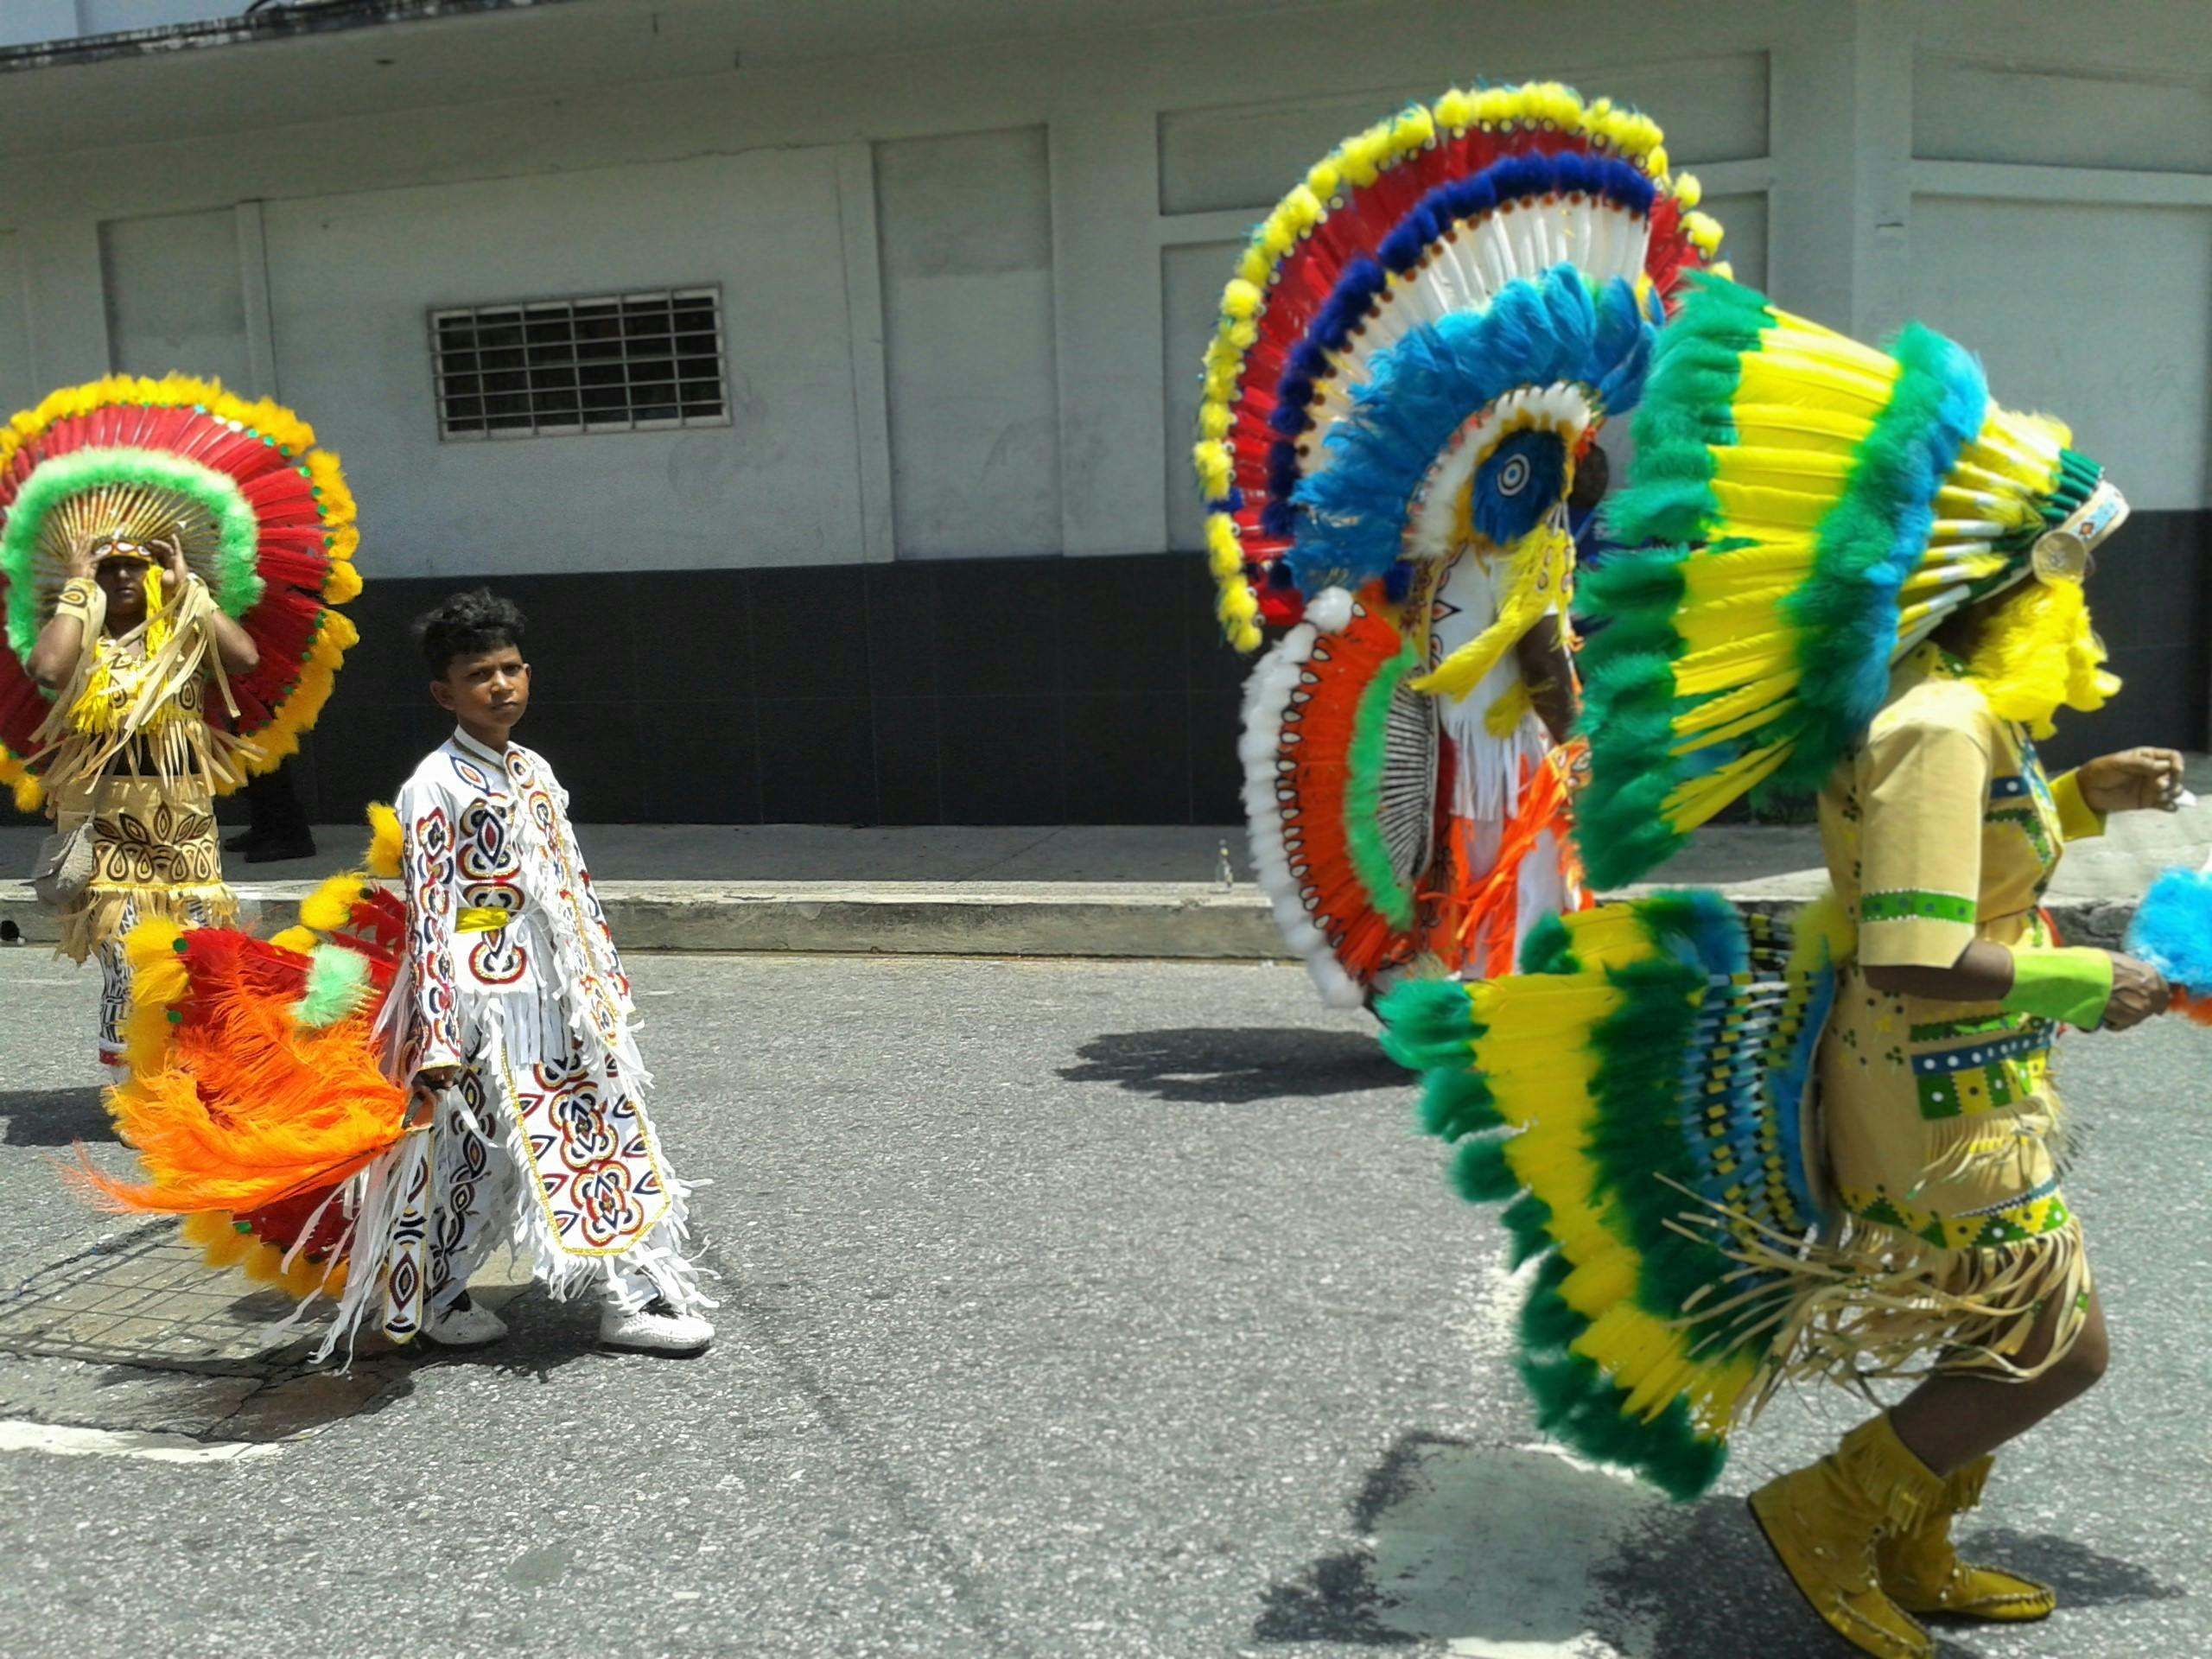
(1511, 178)
(1351, 516)
(2172, 930)
(1516, 484)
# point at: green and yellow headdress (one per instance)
(1822, 507)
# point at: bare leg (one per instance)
(1949, 1420)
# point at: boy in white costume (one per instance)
(518, 1044)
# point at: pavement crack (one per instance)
(1003, 859)
(912, 1512)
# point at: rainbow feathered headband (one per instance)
(1820, 507)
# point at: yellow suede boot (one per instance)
(1825, 1520)
(1924, 1573)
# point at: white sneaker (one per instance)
(466, 1324)
(656, 1328)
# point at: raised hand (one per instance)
(2133, 781)
(2139, 991)
(174, 573)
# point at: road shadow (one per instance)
(1236, 1065)
(1501, 1549)
(54, 1117)
(1743, 1598)
(1336, 1598)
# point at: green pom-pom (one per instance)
(337, 988)
(1527, 1220)
(1481, 1172)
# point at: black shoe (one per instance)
(279, 852)
(244, 842)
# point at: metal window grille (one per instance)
(615, 363)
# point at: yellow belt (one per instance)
(475, 918)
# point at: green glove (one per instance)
(2073, 984)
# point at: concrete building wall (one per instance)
(352, 278)
(967, 268)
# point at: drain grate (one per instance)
(136, 1333)
(147, 1298)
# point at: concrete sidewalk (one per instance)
(1071, 891)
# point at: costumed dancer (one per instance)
(1417, 350)
(368, 1104)
(1746, 1152)
(169, 557)
(520, 1042)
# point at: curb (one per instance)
(1171, 920)
(1012, 919)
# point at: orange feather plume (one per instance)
(242, 1108)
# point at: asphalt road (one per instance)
(1104, 1309)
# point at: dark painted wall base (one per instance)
(1044, 692)
(1091, 691)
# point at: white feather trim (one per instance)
(1330, 610)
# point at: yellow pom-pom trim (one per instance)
(1224, 554)
(386, 841)
(329, 908)
(215, 1235)
(158, 982)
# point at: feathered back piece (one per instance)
(1422, 334)
(1634, 1099)
(263, 516)
(256, 1090)
(1826, 507)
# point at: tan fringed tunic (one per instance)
(128, 746)
(1942, 1124)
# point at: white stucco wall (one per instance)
(351, 277)
(966, 285)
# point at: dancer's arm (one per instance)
(427, 867)
(55, 653)
(1548, 670)
(2071, 984)
(232, 643)
(1923, 788)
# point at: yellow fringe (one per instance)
(1879, 1303)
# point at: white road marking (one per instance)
(16, 1435)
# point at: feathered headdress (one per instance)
(261, 515)
(1422, 334)
(1418, 345)
(1825, 507)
